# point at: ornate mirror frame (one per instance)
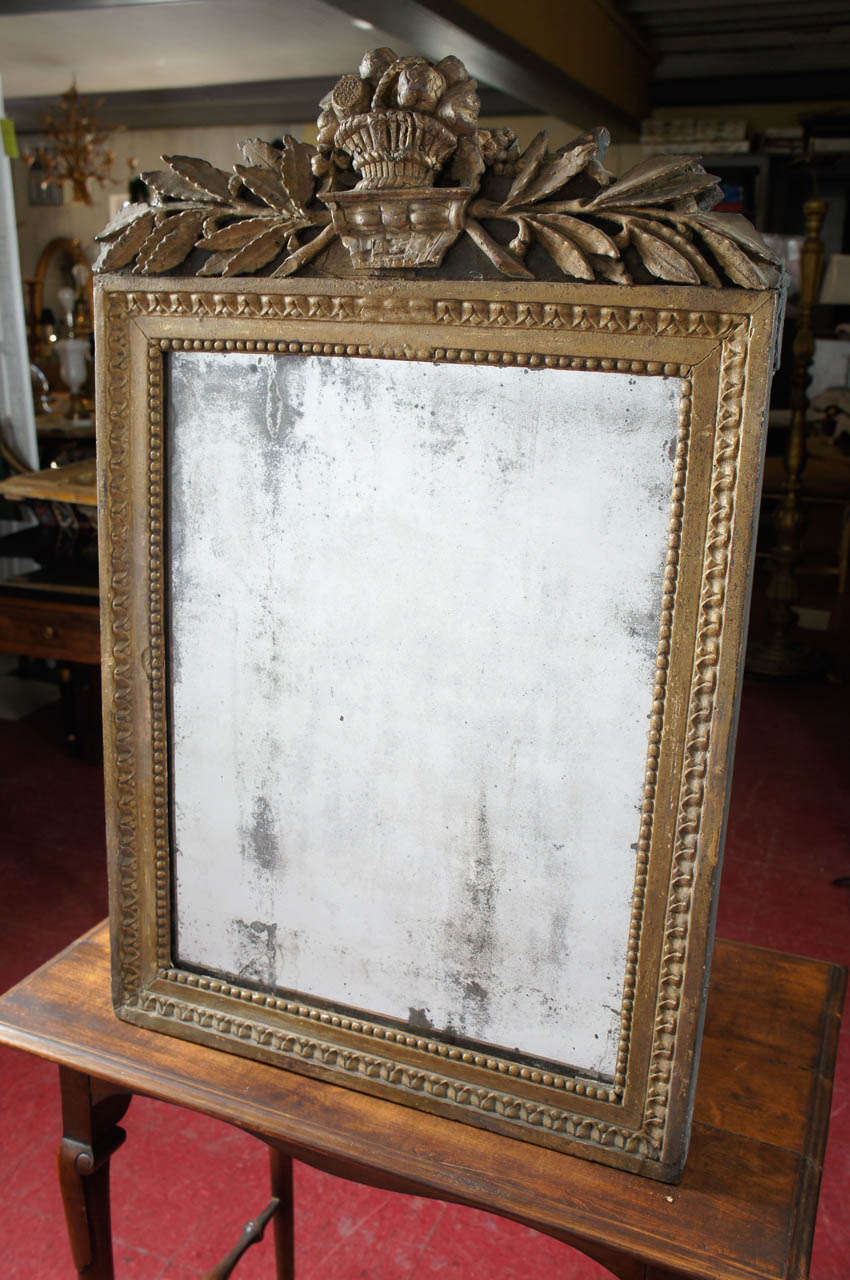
(387, 297)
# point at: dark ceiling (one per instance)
(745, 50)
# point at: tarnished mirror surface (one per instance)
(414, 615)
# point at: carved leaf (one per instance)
(527, 167)
(567, 255)
(738, 267)
(215, 264)
(124, 218)
(265, 184)
(586, 236)
(297, 173)
(260, 153)
(683, 184)
(236, 236)
(498, 255)
(168, 243)
(736, 227)
(556, 170)
(127, 245)
(306, 252)
(688, 250)
(611, 269)
(165, 185)
(214, 220)
(201, 174)
(660, 258)
(647, 180)
(258, 253)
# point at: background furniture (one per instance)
(51, 609)
(745, 1209)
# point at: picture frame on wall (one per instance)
(426, 576)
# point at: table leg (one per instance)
(91, 1110)
(280, 1166)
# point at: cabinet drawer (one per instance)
(50, 629)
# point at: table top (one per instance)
(56, 424)
(746, 1205)
(76, 482)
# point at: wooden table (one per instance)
(745, 1209)
(74, 483)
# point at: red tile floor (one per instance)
(184, 1185)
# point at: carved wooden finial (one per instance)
(401, 171)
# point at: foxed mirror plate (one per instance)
(413, 623)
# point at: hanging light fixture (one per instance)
(75, 149)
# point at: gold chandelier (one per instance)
(75, 149)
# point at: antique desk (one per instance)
(745, 1209)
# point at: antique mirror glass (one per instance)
(414, 617)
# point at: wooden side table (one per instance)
(745, 1209)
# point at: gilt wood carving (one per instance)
(402, 170)
(401, 181)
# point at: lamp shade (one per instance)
(835, 290)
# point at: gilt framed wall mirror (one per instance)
(426, 574)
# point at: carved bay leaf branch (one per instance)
(120, 251)
(266, 186)
(527, 167)
(297, 171)
(126, 216)
(653, 181)
(169, 242)
(260, 153)
(734, 226)
(306, 252)
(563, 251)
(257, 253)
(737, 265)
(681, 244)
(661, 259)
(242, 220)
(234, 236)
(203, 175)
(497, 253)
(555, 171)
(588, 237)
(166, 185)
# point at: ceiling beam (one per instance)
(437, 27)
(285, 102)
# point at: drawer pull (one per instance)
(48, 632)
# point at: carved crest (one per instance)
(401, 172)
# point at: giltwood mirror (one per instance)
(427, 570)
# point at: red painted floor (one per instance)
(184, 1185)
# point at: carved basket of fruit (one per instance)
(398, 124)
